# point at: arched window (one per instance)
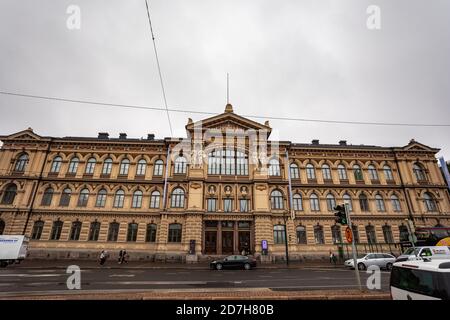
(119, 199)
(310, 172)
(342, 172)
(357, 172)
(84, 197)
(274, 168)
(75, 231)
(371, 235)
(137, 199)
(301, 235)
(276, 199)
(294, 171)
(56, 165)
(227, 162)
(21, 163)
(331, 202)
(124, 167)
(64, 201)
(132, 232)
(107, 167)
(73, 165)
(363, 202)
(388, 173)
(113, 231)
(101, 198)
(297, 202)
(373, 172)
(430, 203)
(37, 230)
(387, 234)
(158, 169)
(90, 166)
(154, 199)
(56, 230)
(314, 202)
(336, 234)
(2, 226)
(94, 231)
(174, 232)
(403, 232)
(419, 172)
(150, 236)
(177, 198)
(326, 172)
(380, 203)
(348, 199)
(180, 165)
(9, 194)
(318, 234)
(279, 236)
(47, 197)
(395, 203)
(141, 167)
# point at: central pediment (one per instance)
(228, 121)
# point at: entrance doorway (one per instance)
(210, 242)
(244, 241)
(227, 242)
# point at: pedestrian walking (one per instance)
(103, 256)
(125, 256)
(120, 260)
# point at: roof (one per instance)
(441, 265)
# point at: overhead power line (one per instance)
(128, 106)
(159, 68)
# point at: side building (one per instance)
(76, 196)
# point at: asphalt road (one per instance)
(48, 280)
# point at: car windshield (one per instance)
(410, 251)
(361, 255)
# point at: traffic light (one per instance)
(340, 216)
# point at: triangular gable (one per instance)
(228, 120)
(417, 146)
(24, 135)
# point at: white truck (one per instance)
(12, 248)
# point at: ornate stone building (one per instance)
(75, 196)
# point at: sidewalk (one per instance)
(112, 264)
(207, 294)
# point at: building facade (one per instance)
(161, 199)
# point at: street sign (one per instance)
(348, 234)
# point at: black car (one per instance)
(234, 262)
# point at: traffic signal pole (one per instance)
(358, 279)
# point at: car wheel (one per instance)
(247, 266)
(219, 266)
(388, 266)
(361, 266)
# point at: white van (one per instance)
(12, 248)
(421, 280)
(436, 252)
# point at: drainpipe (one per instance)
(36, 187)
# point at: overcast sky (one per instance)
(305, 59)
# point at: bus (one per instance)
(427, 236)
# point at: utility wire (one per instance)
(159, 68)
(115, 105)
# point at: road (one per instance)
(53, 280)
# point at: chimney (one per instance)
(122, 136)
(315, 141)
(103, 135)
(343, 142)
(150, 136)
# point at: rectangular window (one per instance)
(174, 233)
(132, 232)
(56, 230)
(211, 205)
(279, 235)
(227, 205)
(94, 231)
(244, 205)
(113, 231)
